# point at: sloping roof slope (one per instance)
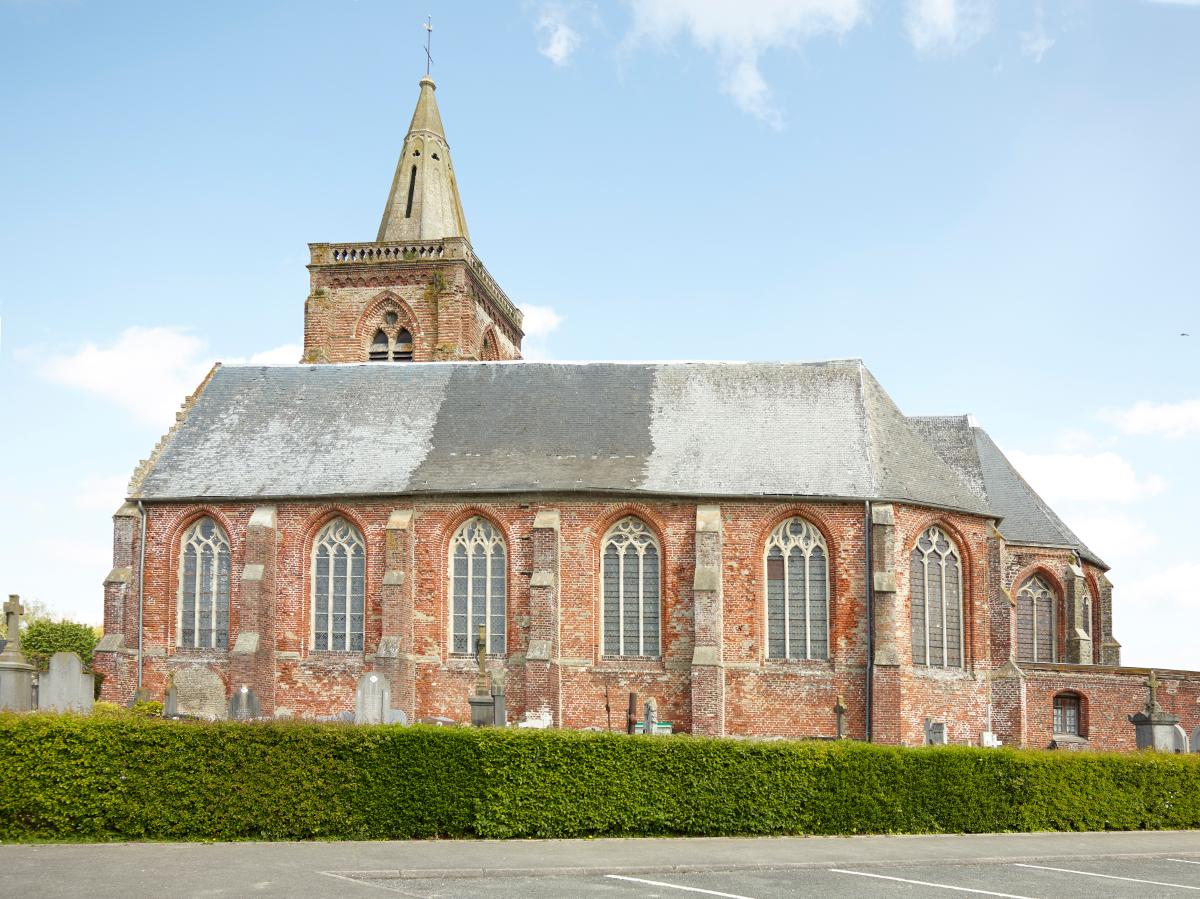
(974, 455)
(702, 429)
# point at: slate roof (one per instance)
(818, 430)
(974, 455)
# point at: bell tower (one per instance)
(418, 293)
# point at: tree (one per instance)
(43, 637)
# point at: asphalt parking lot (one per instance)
(1033, 866)
(1092, 878)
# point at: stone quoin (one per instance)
(758, 549)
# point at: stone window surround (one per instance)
(187, 526)
(788, 660)
(654, 542)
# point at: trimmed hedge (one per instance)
(126, 778)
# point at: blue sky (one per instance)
(994, 204)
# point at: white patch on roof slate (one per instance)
(759, 429)
(300, 430)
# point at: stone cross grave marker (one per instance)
(12, 623)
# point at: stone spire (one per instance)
(424, 202)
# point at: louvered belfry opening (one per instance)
(379, 347)
(402, 349)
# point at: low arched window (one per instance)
(204, 567)
(629, 575)
(1035, 621)
(338, 587)
(1068, 714)
(935, 583)
(478, 587)
(797, 592)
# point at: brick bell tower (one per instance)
(418, 293)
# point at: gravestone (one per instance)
(650, 718)
(372, 699)
(243, 704)
(1154, 728)
(1181, 739)
(935, 733)
(395, 716)
(16, 674)
(65, 687)
(196, 693)
(1196, 739)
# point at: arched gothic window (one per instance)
(391, 343)
(1035, 621)
(630, 578)
(936, 588)
(204, 587)
(478, 587)
(1087, 613)
(797, 592)
(338, 587)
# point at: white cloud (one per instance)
(102, 493)
(946, 25)
(1077, 440)
(740, 33)
(1173, 420)
(559, 39)
(146, 371)
(1036, 42)
(1084, 477)
(540, 322)
(1116, 537)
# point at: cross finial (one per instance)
(12, 619)
(428, 43)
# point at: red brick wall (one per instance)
(762, 696)
(440, 303)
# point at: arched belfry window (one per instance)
(391, 342)
(797, 592)
(204, 567)
(629, 573)
(936, 586)
(478, 587)
(1035, 621)
(338, 587)
(379, 347)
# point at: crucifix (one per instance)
(428, 43)
(12, 621)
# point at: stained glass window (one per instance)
(629, 573)
(935, 583)
(478, 587)
(339, 587)
(797, 592)
(204, 567)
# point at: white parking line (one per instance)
(675, 886)
(1186, 861)
(925, 883)
(1157, 883)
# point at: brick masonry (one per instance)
(712, 675)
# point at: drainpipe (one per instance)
(141, 593)
(870, 583)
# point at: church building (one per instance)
(751, 545)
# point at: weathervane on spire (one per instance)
(428, 43)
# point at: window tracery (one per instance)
(935, 584)
(1035, 621)
(338, 587)
(797, 592)
(630, 587)
(478, 587)
(204, 568)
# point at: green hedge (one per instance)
(127, 778)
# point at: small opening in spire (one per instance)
(435, 156)
(416, 152)
(412, 183)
